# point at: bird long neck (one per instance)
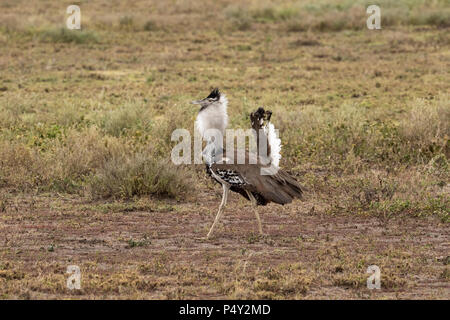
(273, 144)
(211, 123)
(213, 117)
(262, 141)
(268, 145)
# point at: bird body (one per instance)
(279, 187)
(259, 179)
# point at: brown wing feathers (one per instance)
(279, 187)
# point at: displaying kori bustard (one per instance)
(260, 181)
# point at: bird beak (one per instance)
(196, 102)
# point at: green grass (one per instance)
(328, 15)
(64, 35)
(138, 243)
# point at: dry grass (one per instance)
(106, 166)
(86, 119)
(325, 16)
(139, 175)
(354, 137)
(425, 129)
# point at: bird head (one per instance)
(214, 97)
(212, 113)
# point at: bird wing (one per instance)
(279, 187)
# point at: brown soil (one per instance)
(157, 252)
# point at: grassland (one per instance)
(85, 123)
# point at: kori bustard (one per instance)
(260, 181)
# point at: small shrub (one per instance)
(127, 23)
(19, 166)
(239, 17)
(150, 26)
(64, 35)
(138, 175)
(138, 243)
(438, 18)
(129, 117)
(425, 130)
(79, 155)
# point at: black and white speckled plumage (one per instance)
(229, 176)
(237, 183)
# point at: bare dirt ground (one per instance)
(156, 251)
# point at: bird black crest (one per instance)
(260, 112)
(215, 94)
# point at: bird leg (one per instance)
(221, 208)
(255, 209)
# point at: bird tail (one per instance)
(280, 188)
(292, 187)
